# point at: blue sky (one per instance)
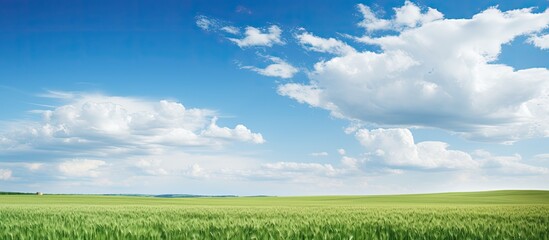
(262, 97)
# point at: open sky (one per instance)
(273, 97)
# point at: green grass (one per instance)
(480, 215)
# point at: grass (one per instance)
(479, 215)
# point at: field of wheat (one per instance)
(485, 215)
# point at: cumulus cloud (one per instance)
(325, 45)
(371, 22)
(5, 174)
(240, 132)
(279, 68)
(541, 41)
(81, 167)
(396, 147)
(259, 37)
(92, 139)
(435, 72)
(111, 124)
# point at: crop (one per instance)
(489, 215)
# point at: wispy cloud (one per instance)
(407, 16)
(231, 30)
(326, 45)
(252, 36)
(319, 154)
(540, 41)
(279, 68)
(206, 23)
(5, 174)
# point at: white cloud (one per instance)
(341, 151)
(541, 41)
(319, 154)
(258, 37)
(231, 29)
(437, 73)
(134, 137)
(544, 156)
(253, 37)
(206, 23)
(81, 167)
(407, 16)
(371, 22)
(293, 167)
(111, 125)
(393, 171)
(240, 132)
(302, 93)
(5, 174)
(325, 45)
(34, 166)
(344, 174)
(396, 147)
(215, 25)
(508, 164)
(151, 167)
(196, 171)
(349, 162)
(309, 178)
(279, 68)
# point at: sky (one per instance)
(274, 97)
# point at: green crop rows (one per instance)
(488, 215)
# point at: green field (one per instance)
(481, 215)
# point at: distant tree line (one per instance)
(16, 193)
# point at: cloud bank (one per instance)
(111, 124)
(99, 139)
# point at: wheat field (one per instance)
(481, 215)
